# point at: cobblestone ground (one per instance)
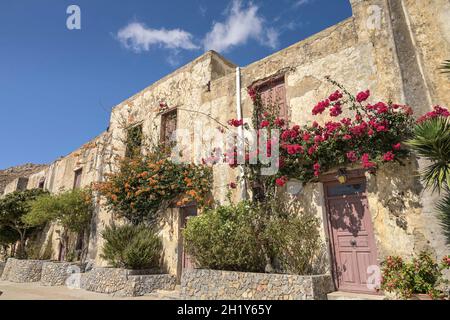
(34, 291)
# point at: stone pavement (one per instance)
(34, 291)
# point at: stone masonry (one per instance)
(226, 285)
(22, 270)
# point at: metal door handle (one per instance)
(353, 243)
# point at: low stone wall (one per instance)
(225, 285)
(56, 273)
(22, 270)
(121, 282)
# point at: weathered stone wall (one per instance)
(226, 285)
(22, 271)
(8, 175)
(392, 47)
(56, 273)
(121, 282)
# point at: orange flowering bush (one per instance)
(144, 184)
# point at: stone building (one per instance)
(392, 47)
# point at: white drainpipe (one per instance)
(240, 129)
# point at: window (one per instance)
(77, 179)
(168, 126)
(134, 141)
(273, 96)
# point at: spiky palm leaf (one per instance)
(432, 141)
(444, 214)
(446, 66)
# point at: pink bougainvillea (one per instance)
(370, 134)
(438, 111)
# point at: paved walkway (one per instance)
(34, 291)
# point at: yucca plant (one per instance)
(444, 212)
(446, 66)
(432, 142)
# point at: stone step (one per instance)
(339, 295)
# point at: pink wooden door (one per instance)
(352, 234)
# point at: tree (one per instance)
(71, 209)
(13, 207)
(7, 238)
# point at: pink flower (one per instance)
(281, 181)
(316, 168)
(351, 156)
(437, 112)
(296, 128)
(397, 146)
(232, 185)
(293, 134)
(265, 124)
(336, 110)
(312, 150)
(294, 149)
(335, 96)
(365, 160)
(236, 123)
(346, 121)
(370, 132)
(320, 107)
(363, 96)
(315, 124)
(252, 93)
(318, 139)
(347, 137)
(279, 122)
(285, 135)
(381, 107)
(389, 156)
(306, 137)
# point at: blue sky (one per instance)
(57, 86)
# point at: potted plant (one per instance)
(419, 279)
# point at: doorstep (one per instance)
(339, 295)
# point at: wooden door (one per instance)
(352, 237)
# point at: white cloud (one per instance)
(300, 3)
(241, 25)
(136, 36)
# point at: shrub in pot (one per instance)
(419, 278)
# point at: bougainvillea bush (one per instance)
(145, 183)
(372, 134)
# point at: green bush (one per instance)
(422, 275)
(245, 237)
(131, 247)
(296, 244)
(224, 239)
